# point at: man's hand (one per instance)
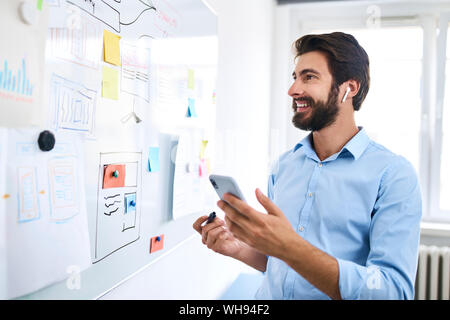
(217, 237)
(268, 233)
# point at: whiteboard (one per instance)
(86, 211)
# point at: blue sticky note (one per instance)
(130, 202)
(153, 159)
(191, 108)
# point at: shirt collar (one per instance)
(355, 146)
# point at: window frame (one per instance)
(436, 214)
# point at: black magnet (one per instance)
(46, 140)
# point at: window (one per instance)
(391, 111)
(407, 108)
(444, 177)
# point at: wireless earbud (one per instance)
(345, 95)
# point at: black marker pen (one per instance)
(211, 217)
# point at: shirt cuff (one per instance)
(352, 277)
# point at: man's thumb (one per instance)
(266, 202)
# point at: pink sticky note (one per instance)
(202, 169)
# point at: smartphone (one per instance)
(224, 184)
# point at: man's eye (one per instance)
(309, 77)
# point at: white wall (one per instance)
(191, 271)
(244, 91)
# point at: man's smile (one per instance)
(302, 105)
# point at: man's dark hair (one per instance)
(346, 59)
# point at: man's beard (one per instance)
(322, 113)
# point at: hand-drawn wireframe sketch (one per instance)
(28, 199)
(118, 208)
(47, 227)
(136, 71)
(73, 105)
(80, 44)
(63, 186)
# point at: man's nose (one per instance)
(296, 89)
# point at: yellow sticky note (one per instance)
(110, 83)
(203, 147)
(191, 79)
(111, 48)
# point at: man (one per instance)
(343, 212)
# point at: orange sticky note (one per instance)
(156, 243)
(114, 176)
(111, 47)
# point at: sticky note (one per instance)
(203, 148)
(191, 79)
(111, 48)
(114, 176)
(203, 169)
(191, 108)
(39, 5)
(130, 202)
(156, 243)
(153, 159)
(110, 83)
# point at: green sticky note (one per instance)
(39, 5)
(191, 79)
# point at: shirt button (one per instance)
(310, 194)
(301, 229)
(320, 164)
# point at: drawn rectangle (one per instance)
(62, 176)
(131, 177)
(28, 194)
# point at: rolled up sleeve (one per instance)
(391, 265)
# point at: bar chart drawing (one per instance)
(15, 83)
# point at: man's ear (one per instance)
(350, 89)
(354, 87)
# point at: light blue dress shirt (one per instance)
(362, 206)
